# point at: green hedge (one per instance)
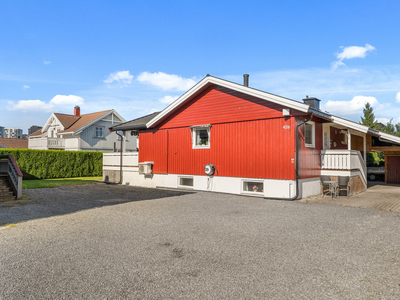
(45, 164)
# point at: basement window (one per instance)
(200, 136)
(309, 134)
(185, 182)
(256, 187)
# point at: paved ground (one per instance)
(379, 195)
(119, 242)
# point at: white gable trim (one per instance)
(209, 80)
(47, 125)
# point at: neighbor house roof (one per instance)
(139, 123)
(66, 120)
(13, 143)
(82, 121)
(75, 124)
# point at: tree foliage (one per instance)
(369, 117)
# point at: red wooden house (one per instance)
(226, 137)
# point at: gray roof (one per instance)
(139, 123)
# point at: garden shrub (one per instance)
(46, 164)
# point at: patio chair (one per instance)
(324, 186)
(344, 184)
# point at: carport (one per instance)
(390, 146)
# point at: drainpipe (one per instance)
(120, 163)
(297, 163)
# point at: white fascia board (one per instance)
(118, 116)
(233, 86)
(47, 124)
(389, 137)
(350, 124)
(91, 123)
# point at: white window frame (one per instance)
(252, 181)
(102, 131)
(312, 145)
(194, 130)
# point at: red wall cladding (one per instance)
(222, 105)
(153, 147)
(310, 158)
(251, 149)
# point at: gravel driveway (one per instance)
(120, 242)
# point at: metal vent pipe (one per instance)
(246, 79)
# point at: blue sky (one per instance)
(138, 56)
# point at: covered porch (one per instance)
(344, 154)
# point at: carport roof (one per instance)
(139, 123)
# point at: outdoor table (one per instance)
(333, 186)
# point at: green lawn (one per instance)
(48, 183)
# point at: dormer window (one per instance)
(200, 136)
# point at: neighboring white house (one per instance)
(78, 132)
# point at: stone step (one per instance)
(8, 199)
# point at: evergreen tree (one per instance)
(369, 117)
(389, 128)
(397, 129)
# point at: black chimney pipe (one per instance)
(246, 79)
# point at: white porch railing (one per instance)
(344, 160)
(55, 143)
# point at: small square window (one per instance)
(186, 181)
(201, 136)
(253, 187)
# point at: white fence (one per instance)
(111, 165)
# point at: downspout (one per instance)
(297, 163)
(120, 163)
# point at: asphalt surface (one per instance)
(119, 242)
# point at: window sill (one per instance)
(310, 146)
(99, 137)
(201, 147)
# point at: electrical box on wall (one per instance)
(146, 167)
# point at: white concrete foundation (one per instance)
(269, 188)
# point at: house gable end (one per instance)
(218, 104)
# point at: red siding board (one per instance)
(153, 147)
(221, 105)
(310, 158)
(249, 138)
(250, 149)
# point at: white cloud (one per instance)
(353, 106)
(167, 81)
(120, 77)
(384, 121)
(66, 100)
(168, 99)
(29, 105)
(46, 62)
(351, 52)
(398, 97)
(26, 87)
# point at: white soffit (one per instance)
(389, 137)
(233, 86)
(350, 124)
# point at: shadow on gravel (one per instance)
(47, 202)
